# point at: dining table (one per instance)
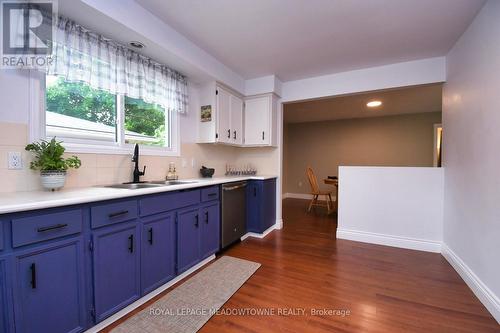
(334, 182)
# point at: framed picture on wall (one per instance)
(206, 113)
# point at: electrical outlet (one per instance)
(15, 161)
(193, 162)
(184, 163)
(300, 184)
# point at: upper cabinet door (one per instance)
(223, 110)
(257, 120)
(236, 120)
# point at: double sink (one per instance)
(149, 184)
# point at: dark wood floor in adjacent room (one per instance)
(385, 289)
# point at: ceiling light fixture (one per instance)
(373, 104)
(136, 44)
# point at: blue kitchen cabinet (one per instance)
(49, 293)
(116, 266)
(157, 251)
(188, 238)
(261, 205)
(6, 313)
(3, 299)
(210, 229)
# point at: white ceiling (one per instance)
(301, 38)
(418, 99)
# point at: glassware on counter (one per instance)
(245, 170)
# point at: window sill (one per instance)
(116, 150)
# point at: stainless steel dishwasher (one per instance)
(233, 212)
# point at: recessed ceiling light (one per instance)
(136, 44)
(373, 104)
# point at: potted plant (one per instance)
(49, 160)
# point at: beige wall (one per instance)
(403, 140)
(98, 169)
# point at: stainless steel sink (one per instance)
(172, 182)
(133, 186)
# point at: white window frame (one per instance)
(37, 127)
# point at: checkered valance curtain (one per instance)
(83, 56)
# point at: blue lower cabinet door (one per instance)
(210, 230)
(6, 321)
(254, 206)
(157, 252)
(116, 269)
(188, 239)
(49, 294)
(269, 204)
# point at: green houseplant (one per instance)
(48, 158)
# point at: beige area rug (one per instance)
(188, 307)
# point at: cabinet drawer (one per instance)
(169, 201)
(34, 229)
(210, 193)
(111, 213)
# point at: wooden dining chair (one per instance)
(316, 193)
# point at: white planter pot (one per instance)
(53, 180)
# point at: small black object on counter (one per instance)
(207, 172)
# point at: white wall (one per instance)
(14, 92)
(402, 74)
(471, 149)
(395, 206)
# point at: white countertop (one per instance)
(24, 201)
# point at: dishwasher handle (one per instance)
(232, 188)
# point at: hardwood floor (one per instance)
(385, 289)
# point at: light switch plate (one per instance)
(15, 161)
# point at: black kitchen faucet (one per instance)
(135, 159)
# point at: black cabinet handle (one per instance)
(262, 135)
(229, 134)
(196, 223)
(52, 227)
(131, 243)
(255, 191)
(234, 135)
(212, 194)
(150, 240)
(120, 213)
(33, 276)
(206, 217)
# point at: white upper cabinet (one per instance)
(223, 111)
(225, 117)
(261, 120)
(220, 116)
(236, 118)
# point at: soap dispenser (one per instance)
(172, 173)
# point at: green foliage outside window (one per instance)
(81, 101)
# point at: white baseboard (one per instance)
(108, 321)
(303, 196)
(390, 240)
(257, 235)
(485, 295)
